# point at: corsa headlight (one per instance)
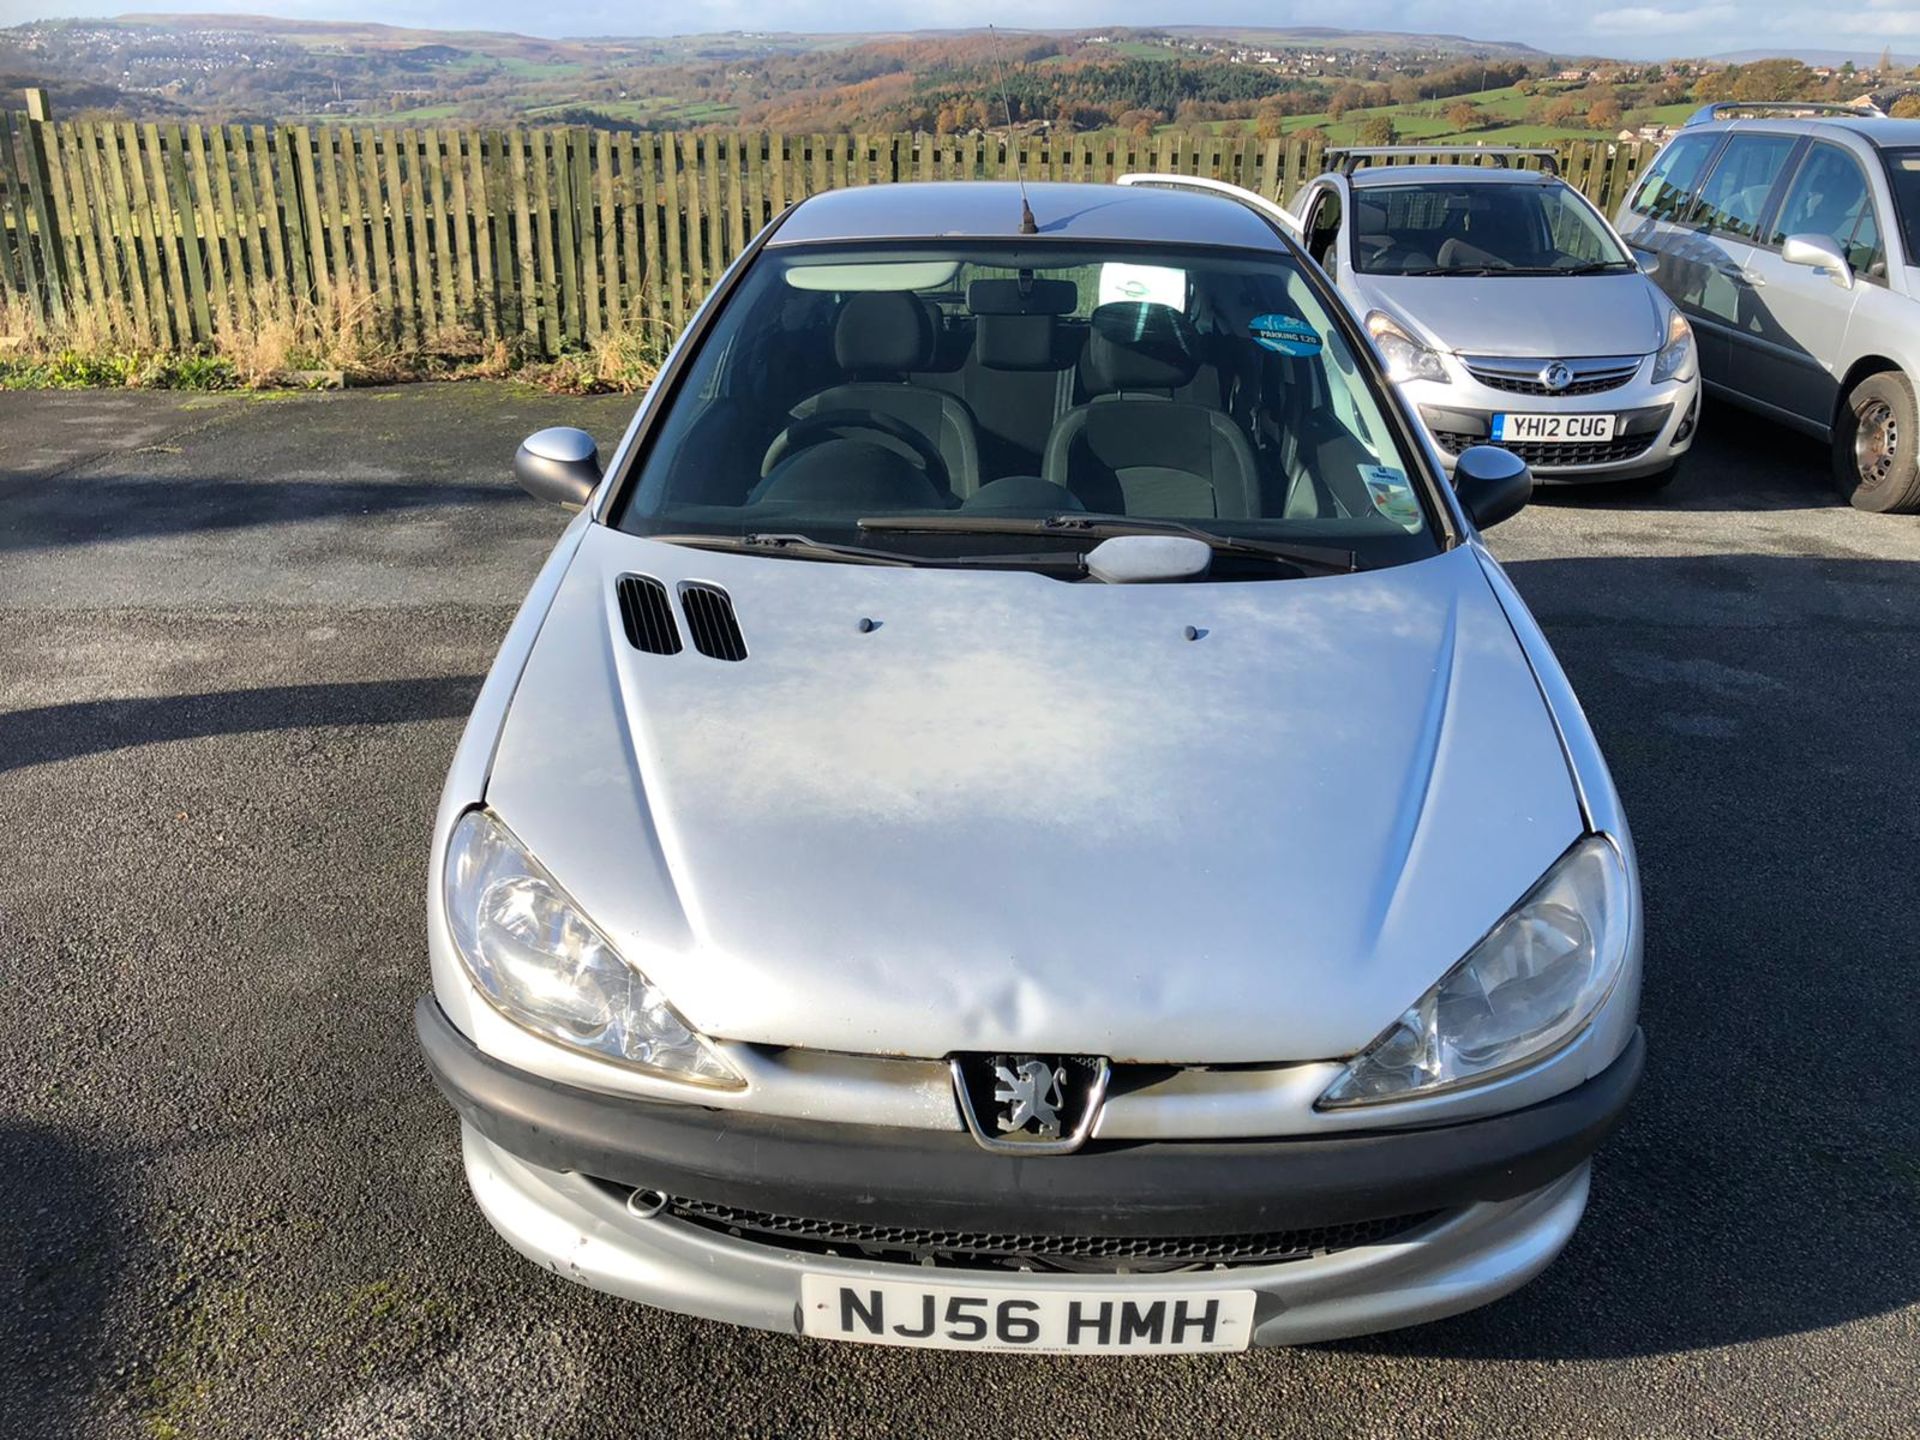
(544, 965)
(1405, 357)
(1675, 360)
(1530, 986)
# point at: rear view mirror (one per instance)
(1820, 253)
(1492, 484)
(560, 465)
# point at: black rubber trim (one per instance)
(886, 1175)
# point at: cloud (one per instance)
(1647, 20)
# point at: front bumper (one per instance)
(1655, 424)
(550, 1164)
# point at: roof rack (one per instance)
(1726, 109)
(1350, 156)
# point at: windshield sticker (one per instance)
(1391, 495)
(1284, 334)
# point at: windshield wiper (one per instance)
(1450, 270)
(1588, 267)
(805, 547)
(1327, 559)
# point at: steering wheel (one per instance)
(883, 430)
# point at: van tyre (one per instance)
(1876, 445)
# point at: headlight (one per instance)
(1405, 357)
(545, 966)
(1675, 360)
(1521, 993)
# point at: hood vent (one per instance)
(716, 633)
(648, 615)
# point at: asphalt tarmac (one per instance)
(238, 637)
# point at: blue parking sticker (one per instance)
(1284, 334)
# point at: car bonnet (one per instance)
(1551, 317)
(938, 810)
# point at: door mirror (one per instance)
(561, 465)
(1648, 261)
(1820, 253)
(1492, 484)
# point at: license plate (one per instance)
(1553, 429)
(1002, 1317)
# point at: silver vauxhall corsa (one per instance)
(1509, 313)
(1021, 815)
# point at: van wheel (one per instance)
(1876, 445)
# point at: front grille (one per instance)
(1520, 385)
(1082, 1254)
(1522, 377)
(1550, 455)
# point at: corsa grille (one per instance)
(711, 622)
(1083, 1254)
(1550, 455)
(647, 614)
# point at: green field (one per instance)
(1426, 120)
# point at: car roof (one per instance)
(1875, 129)
(1448, 175)
(990, 209)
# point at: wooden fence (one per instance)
(165, 234)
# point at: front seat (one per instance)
(1133, 449)
(880, 337)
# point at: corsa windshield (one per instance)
(1481, 228)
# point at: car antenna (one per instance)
(1027, 224)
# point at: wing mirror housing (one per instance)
(560, 465)
(1820, 253)
(1492, 484)
(1647, 261)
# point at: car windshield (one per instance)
(951, 402)
(1481, 228)
(1903, 176)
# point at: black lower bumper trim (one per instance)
(860, 1173)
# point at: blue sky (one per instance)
(1614, 27)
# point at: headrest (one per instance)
(887, 331)
(1138, 345)
(1015, 342)
(1014, 297)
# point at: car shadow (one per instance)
(49, 733)
(67, 1251)
(45, 514)
(1757, 713)
(1740, 462)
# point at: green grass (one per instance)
(1426, 120)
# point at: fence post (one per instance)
(39, 188)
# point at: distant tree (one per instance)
(1270, 122)
(1907, 107)
(1605, 115)
(1336, 107)
(1885, 67)
(1560, 113)
(1376, 130)
(1465, 115)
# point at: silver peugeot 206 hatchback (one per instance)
(1021, 815)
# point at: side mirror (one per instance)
(561, 465)
(1822, 254)
(1648, 261)
(1493, 484)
